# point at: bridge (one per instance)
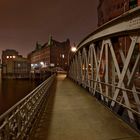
(101, 98)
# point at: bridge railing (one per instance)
(17, 122)
(107, 62)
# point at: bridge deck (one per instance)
(73, 114)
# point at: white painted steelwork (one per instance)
(125, 24)
(16, 123)
(107, 61)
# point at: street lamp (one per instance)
(70, 53)
(72, 50)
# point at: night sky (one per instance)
(23, 22)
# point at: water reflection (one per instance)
(11, 91)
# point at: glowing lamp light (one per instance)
(73, 49)
(7, 57)
(32, 65)
(63, 55)
(41, 63)
(14, 56)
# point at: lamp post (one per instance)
(72, 50)
(70, 53)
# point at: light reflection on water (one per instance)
(11, 91)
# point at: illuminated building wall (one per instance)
(59, 53)
(14, 65)
(53, 53)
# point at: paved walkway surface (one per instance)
(73, 114)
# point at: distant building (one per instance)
(51, 54)
(40, 57)
(14, 65)
(59, 52)
(109, 9)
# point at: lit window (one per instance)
(32, 65)
(10, 56)
(19, 65)
(42, 63)
(7, 57)
(63, 55)
(14, 56)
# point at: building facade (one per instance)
(40, 56)
(109, 9)
(59, 52)
(14, 65)
(51, 54)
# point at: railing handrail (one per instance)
(17, 122)
(23, 99)
(111, 85)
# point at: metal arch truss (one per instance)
(108, 68)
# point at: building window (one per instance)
(63, 55)
(19, 65)
(118, 6)
(122, 5)
(133, 3)
(32, 65)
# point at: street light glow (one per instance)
(42, 63)
(63, 55)
(73, 49)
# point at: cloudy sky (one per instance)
(23, 22)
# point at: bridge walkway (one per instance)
(73, 114)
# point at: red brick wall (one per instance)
(41, 55)
(138, 2)
(109, 9)
(58, 50)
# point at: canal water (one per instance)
(11, 91)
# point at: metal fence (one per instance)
(16, 123)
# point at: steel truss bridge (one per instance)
(107, 63)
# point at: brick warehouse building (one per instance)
(53, 53)
(109, 9)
